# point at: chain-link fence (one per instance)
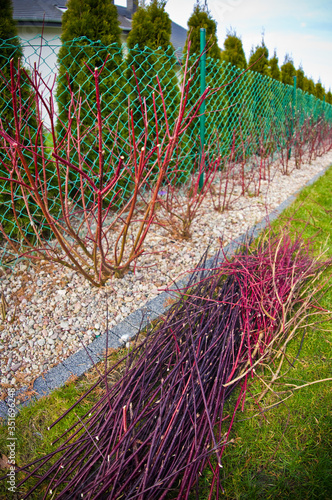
(248, 103)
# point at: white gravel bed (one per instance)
(52, 310)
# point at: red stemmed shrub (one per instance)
(180, 204)
(223, 188)
(90, 233)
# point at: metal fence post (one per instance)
(202, 108)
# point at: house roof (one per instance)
(38, 11)
(49, 13)
(124, 16)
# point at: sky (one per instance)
(301, 28)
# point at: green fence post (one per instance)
(202, 108)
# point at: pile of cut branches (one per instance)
(157, 427)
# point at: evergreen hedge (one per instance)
(90, 35)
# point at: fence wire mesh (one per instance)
(243, 103)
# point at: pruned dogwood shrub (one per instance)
(100, 229)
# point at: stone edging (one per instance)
(80, 362)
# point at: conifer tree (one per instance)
(150, 54)
(329, 97)
(236, 93)
(10, 48)
(300, 78)
(89, 28)
(288, 71)
(233, 52)
(274, 70)
(90, 34)
(260, 101)
(8, 27)
(151, 27)
(201, 18)
(261, 55)
(308, 85)
(215, 74)
(319, 90)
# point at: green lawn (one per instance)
(283, 452)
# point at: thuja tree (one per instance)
(233, 52)
(300, 78)
(201, 18)
(151, 57)
(215, 76)
(319, 94)
(259, 59)
(301, 97)
(309, 85)
(11, 49)
(288, 71)
(319, 90)
(238, 92)
(261, 97)
(90, 36)
(274, 70)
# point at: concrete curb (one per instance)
(80, 362)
